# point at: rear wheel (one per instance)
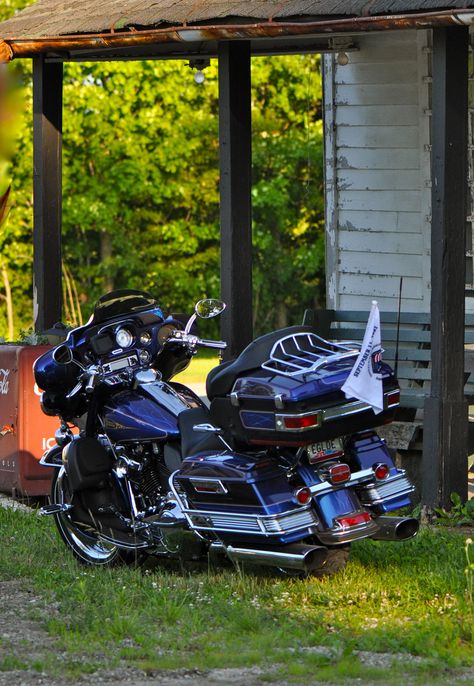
(336, 560)
(86, 545)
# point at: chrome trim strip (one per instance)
(356, 478)
(261, 525)
(380, 491)
(221, 489)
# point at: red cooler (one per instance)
(25, 432)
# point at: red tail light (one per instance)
(339, 473)
(381, 470)
(303, 495)
(302, 422)
(353, 520)
(393, 398)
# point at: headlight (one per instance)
(124, 338)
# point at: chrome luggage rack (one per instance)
(301, 353)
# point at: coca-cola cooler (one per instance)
(25, 432)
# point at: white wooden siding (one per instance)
(377, 173)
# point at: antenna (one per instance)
(398, 326)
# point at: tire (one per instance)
(336, 560)
(86, 546)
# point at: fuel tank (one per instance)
(148, 413)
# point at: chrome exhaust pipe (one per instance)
(396, 528)
(294, 556)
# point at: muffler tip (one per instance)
(407, 528)
(315, 558)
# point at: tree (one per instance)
(141, 186)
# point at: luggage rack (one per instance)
(302, 353)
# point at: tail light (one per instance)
(353, 520)
(298, 422)
(393, 398)
(381, 470)
(302, 495)
(339, 473)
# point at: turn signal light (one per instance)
(339, 473)
(353, 520)
(381, 470)
(303, 495)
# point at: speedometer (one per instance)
(124, 338)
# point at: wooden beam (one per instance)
(445, 419)
(47, 145)
(235, 200)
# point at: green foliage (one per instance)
(461, 514)
(141, 184)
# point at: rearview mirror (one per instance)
(209, 308)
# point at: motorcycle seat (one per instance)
(221, 379)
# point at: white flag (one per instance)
(364, 383)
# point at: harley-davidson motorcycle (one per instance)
(280, 469)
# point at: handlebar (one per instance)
(194, 341)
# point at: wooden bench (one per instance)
(414, 357)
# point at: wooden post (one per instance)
(47, 140)
(445, 418)
(235, 187)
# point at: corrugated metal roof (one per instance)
(60, 17)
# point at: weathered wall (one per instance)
(378, 172)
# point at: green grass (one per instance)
(391, 598)
(200, 366)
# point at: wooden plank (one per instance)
(385, 137)
(377, 94)
(363, 263)
(381, 242)
(381, 180)
(352, 157)
(379, 200)
(414, 336)
(393, 73)
(348, 301)
(445, 444)
(380, 287)
(47, 191)
(235, 194)
(366, 220)
(377, 115)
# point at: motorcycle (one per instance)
(280, 469)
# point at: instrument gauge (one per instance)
(124, 338)
(145, 338)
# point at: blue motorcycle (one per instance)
(277, 468)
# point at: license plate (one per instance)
(325, 449)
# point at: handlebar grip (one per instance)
(221, 345)
(89, 387)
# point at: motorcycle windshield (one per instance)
(123, 302)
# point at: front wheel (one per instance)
(86, 546)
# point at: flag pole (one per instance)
(398, 326)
